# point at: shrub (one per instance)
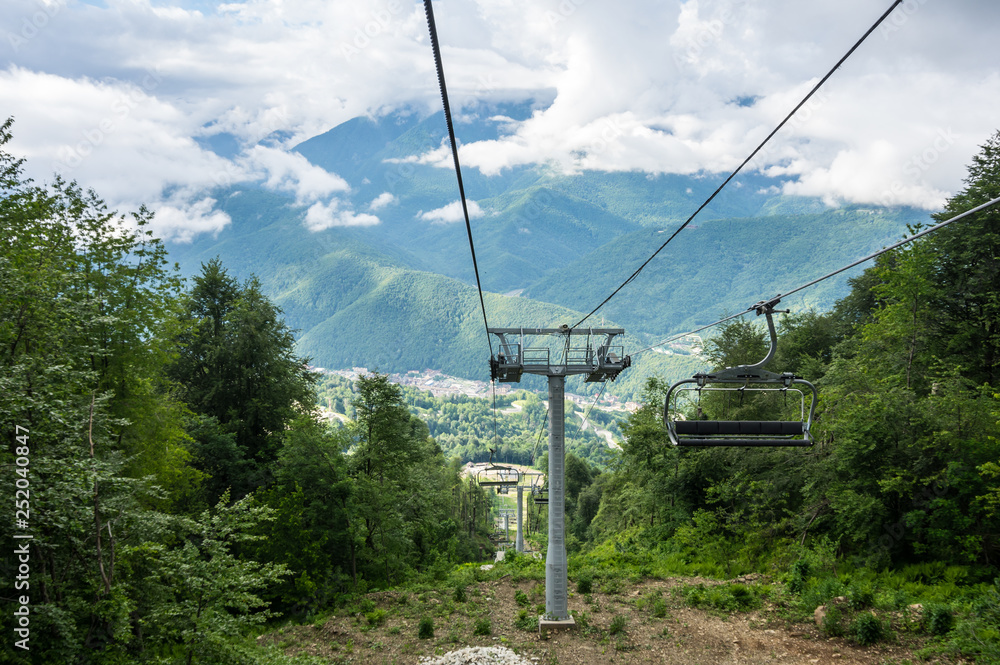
(376, 617)
(459, 594)
(939, 619)
(860, 596)
(521, 598)
(866, 629)
(797, 578)
(526, 621)
(584, 584)
(617, 624)
(659, 608)
(425, 630)
(483, 627)
(832, 621)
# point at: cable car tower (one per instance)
(515, 358)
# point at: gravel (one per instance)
(478, 656)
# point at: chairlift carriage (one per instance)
(741, 380)
(498, 476)
(540, 491)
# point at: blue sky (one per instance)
(116, 93)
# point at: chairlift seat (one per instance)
(739, 427)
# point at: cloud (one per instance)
(661, 87)
(452, 213)
(322, 216)
(291, 172)
(382, 200)
(181, 223)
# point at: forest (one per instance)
(174, 490)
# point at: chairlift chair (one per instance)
(540, 495)
(496, 475)
(748, 378)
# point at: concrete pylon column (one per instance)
(555, 558)
(519, 540)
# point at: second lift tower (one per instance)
(557, 361)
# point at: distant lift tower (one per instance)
(515, 358)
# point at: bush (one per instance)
(832, 621)
(659, 608)
(526, 621)
(797, 577)
(866, 629)
(459, 594)
(425, 630)
(483, 627)
(860, 596)
(376, 617)
(584, 584)
(939, 619)
(617, 625)
(521, 598)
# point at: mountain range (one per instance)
(400, 294)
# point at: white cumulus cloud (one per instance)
(382, 200)
(452, 213)
(321, 216)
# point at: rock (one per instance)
(819, 614)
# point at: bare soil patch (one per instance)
(683, 635)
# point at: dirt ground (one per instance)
(684, 635)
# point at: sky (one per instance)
(116, 93)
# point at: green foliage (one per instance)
(459, 593)
(866, 629)
(860, 596)
(237, 366)
(618, 625)
(584, 583)
(525, 621)
(723, 597)
(797, 576)
(199, 593)
(483, 627)
(940, 619)
(376, 617)
(425, 629)
(521, 598)
(833, 621)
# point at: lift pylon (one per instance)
(516, 357)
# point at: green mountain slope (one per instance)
(722, 267)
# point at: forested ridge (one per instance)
(183, 494)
